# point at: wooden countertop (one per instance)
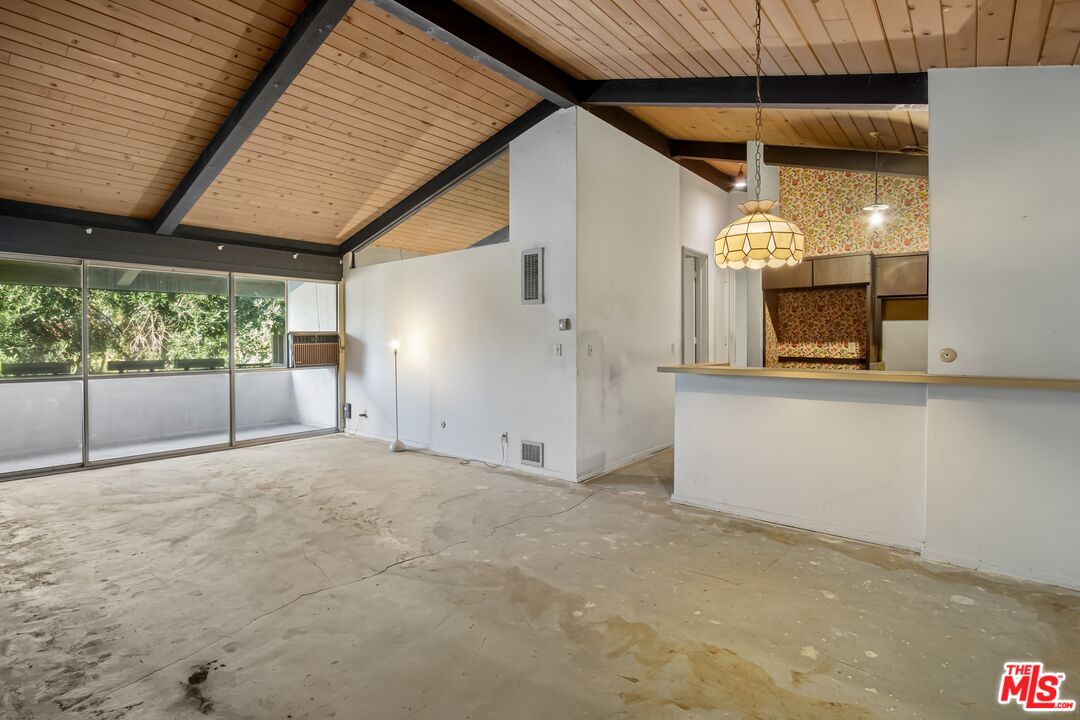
(888, 376)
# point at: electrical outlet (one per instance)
(346, 411)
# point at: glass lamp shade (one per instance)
(759, 240)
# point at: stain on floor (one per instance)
(326, 578)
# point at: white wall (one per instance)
(1003, 481)
(636, 211)
(704, 210)
(312, 306)
(845, 458)
(471, 354)
(1002, 464)
(629, 268)
(1004, 173)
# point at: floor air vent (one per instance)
(532, 453)
(532, 277)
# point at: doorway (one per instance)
(695, 307)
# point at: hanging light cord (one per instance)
(757, 92)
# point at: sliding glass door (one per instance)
(106, 362)
(159, 361)
(276, 394)
(41, 386)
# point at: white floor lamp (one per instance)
(397, 445)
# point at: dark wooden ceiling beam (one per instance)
(99, 221)
(869, 92)
(42, 230)
(706, 150)
(706, 171)
(451, 24)
(461, 169)
(852, 160)
(312, 27)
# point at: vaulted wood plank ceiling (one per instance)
(607, 39)
(464, 215)
(613, 39)
(378, 111)
(105, 105)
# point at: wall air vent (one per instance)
(532, 276)
(532, 453)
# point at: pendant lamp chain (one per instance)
(757, 90)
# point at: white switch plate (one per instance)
(558, 349)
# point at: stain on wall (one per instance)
(827, 206)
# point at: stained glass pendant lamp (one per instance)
(759, 239)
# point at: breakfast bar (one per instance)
(925, 462)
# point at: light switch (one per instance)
(558, 349)
(590, 350)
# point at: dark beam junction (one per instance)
(451, 24)
(430, 191)
(312, 27)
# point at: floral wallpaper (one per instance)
(827, 206)
(816, 324)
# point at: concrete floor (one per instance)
(326, 578)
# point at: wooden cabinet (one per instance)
(901, 275)
(842, 270)
(788, 277)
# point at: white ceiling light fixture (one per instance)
(758, 239)
(876, 210)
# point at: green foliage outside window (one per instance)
(43, 324)
(40, 324)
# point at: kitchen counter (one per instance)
(881, 376)
(937, 464)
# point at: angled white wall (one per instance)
(636, 211)
(472, 355)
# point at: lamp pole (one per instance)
(397, 445)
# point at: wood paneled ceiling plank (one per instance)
(945, 34)
(586, 60)
(789, 32)
(775, 50)
(590, 40)
(630, 48)
(681, 27)
(842, 34)
(896, 24)
(994, 27)
(447, 122)
(59, 28)
(523, 28)
(291, 129)
(731, 19)
(157, 91)
(1062, 43)
(705, 37)
(404, 44)
(870, 31)
(1030, 22)
(817, 36)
